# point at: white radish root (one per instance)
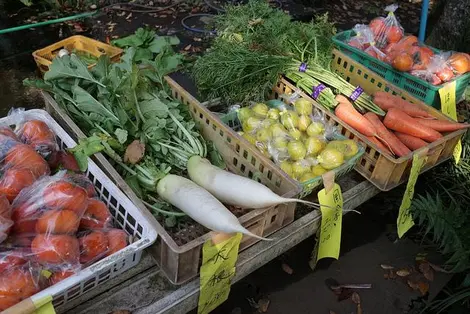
(232, 189)
(200, 205)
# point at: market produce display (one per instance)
(384, 38)
(256, 44)
(296, 137)
(51, 222)
(128, 114)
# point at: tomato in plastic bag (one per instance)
(38, 135)
(65, 195)
(60, 275)
(117, 240)
(82, 181)
(16, 284)
(56, 249)
(97, 216)
(23, 156)
(58, 222)
(13, 180)
(93, 246)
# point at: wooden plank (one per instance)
(151, 293)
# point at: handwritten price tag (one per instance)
(449, 108)
(332, 217)
(404, 220)
(217, 270)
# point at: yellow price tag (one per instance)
(332, 217)
(404, 220)
(217, 270)
(44, 306)
(449, 108)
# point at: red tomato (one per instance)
(377, 25)
(117, 240)
(82, 181)
(25, 218)
(97, 216)
(65, 195)
(63, 160)
(56, 249)
(58, 222)
(23, 156)
(14, 180)
(60, 275)
(394, 34)
(11, 259)
(93, 247)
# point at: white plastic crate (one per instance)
(126, 216)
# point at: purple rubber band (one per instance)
(317, 90)
(357, 92)
(303, 67)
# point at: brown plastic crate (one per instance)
(44, 56)
(383, 170)
(181, 263)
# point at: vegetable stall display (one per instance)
(128, 115)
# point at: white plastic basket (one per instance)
(126, 216)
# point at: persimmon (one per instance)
(117, 240)
(36, 131)
(60, 275)
(97, 216)
(377, 25)
(65, 195)
(23, 156)
(459, 62)
(56, 248)
(93, 246)
(403, 62)
(14, 180)
(394, 34)
(421, 58)
(11, 259)
(17, 282)
(58, 221)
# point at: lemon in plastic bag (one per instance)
(314, 145)
(273, 113)
(263, 135)
(260, 110)
(278, 130)
(318, 170)
(315, 129)
(307, 176)
(286, 166)
(244, 113)
(299, 168)
(330, 158)
(304, 122)
(296, 150)
(303, 106)
(251, 124)
(279, 142)
(290, 119)
(295, 134)
(349, 148)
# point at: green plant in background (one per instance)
(61, 4)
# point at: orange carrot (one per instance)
(396, 146)
(386, 101)
(379, 144)
(410, 141)
(346, 113)
(397, 120)
(443, 125)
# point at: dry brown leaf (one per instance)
(263, 305)
(356, 298)
(386, 267)
(392, 274)
(134, 152)
(287, 269)
(413, 285)
(403, 272)
(426, 270)
(438, 268)
(423, 287)
(187, 47)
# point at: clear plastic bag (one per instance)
(360, 41)
(387, 30)
(369, 45)
(438, 71)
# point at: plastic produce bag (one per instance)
(387, 30)
(438, 71)
(5, 218)
(369, 45)
(18, 283)
(359, 40)
(100, 243)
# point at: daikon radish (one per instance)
(232, 189)
(200, 205)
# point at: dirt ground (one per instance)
(368, 240)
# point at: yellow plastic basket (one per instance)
(44, 56)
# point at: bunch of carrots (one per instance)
(406, 127)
